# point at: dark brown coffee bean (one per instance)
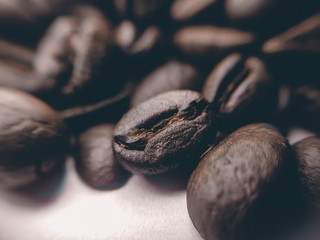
(240, 87)
(32, 138)
(211, 41)
(307, 152)
(96, 163)
(186, 10)
(163, 133)
(238, 182)
(171, 76)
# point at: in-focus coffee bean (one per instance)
(165, 132)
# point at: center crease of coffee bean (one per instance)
(140, 135)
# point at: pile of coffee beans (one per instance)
(208, 88)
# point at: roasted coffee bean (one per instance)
(54, 53)
(25, 78)
(90, 46)
(307, 152)
(188, 10)
(211, 41)
(240, 88)
(238, 182)
(267, 17)
(302, 39)
(304, 106)
(127, 38)
(294, 55)
(14, 52)
(163, 133)
(32, 138)
(75, 45)
(110, 109)
(138, 8)
(17, 72)
(96, 163)
(171, 76)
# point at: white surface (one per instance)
(141, 209)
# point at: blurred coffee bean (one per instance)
(15, 52)
(16, 70)
(188, 10)
(307, 152)
(171, 76)
(32, 138)
(203, 42)
(132, 43)
(54, 53)
(239, 182)
(75, 51)
(138, 8)
(95, 162)
(25, 21)
(19, 10)
(163, 133)
(240, 89)
(267, 17)
(23, 77)
(294, 55)
(139, 47)
(302, 39)
(305, 106)
(108, 109)
(90, 44)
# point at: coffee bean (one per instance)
(23, 77)
(302, 39)
(304, 106)
(33, 138)
(187, 10)
(238, 182)
(211, 41)
(173, 75)
(133, 43)
(53, 54)
(241, 88)
(90, 45)
(138, 8)
(163, 133)
(307, 152)
(96, 163)
(110, 109)
(14, 52)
